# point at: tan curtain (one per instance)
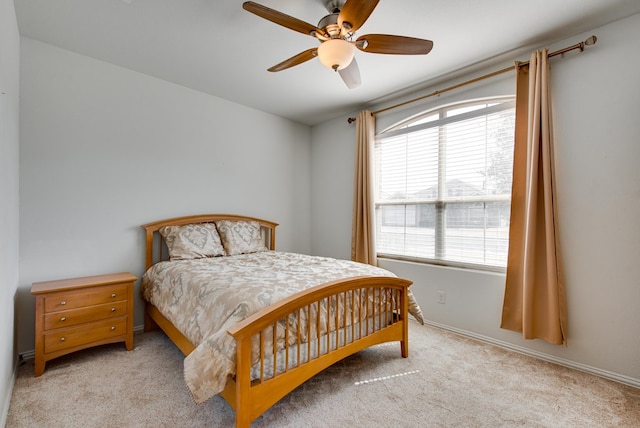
(362, 232)
(534, 300)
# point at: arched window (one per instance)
(443, 185)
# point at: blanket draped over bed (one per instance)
(204, 297)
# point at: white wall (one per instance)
(9, 172)
(104, 149)
(596, 112)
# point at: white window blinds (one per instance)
(443, 185)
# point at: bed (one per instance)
(255, 323)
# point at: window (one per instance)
(443, 185)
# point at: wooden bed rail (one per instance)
(345, 329)
(267, 316)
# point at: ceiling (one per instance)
(216, 47)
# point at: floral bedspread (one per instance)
(203, 298)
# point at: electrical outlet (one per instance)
(442, 297)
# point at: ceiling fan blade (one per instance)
(398, 45)
(295, 60)
(282, 19)
(354, 13)
(351, 75)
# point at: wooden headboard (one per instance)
(156, 248)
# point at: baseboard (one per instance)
(7, 401)
(28, 355)
(627, 380)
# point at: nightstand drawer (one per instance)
(83, 334)
(78, 316)
(76, 299)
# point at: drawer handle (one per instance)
(63, 303)
(113, 309)
(62, 339)
(113, 328)
(63, 319)
(113, 294)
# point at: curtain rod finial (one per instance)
(591, 41)
(351, 120)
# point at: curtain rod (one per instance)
(590, 41)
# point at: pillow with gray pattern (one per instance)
(241, 237)
(192, 241)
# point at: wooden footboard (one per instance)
(379, 315)
(385, 319)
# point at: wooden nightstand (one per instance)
(77, 313)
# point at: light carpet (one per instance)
(447, 381)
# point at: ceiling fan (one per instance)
(336, 33)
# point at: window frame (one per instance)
(495, 105)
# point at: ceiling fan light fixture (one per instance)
(336, 54)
